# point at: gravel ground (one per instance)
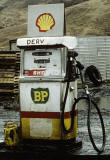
(96, 132)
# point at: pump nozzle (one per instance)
(72, 54)
(79, 65)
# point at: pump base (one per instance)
(44, 147)
(52, 145)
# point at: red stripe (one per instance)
(51, 115)
(36, 72)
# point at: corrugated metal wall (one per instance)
(95, 51)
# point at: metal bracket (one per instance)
(86, 89)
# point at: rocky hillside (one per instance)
(89, 18)
(83, 17)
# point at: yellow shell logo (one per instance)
(45, 22)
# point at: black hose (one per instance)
(88, 121)
(66, 131)
(88, 98)
(94, 75)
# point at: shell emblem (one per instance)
(45, 22)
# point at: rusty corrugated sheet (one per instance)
(95, 51)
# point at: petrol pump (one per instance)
(48, 85)
(43, 85)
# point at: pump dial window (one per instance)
(42, 63)
(42, 60)
(42, 53)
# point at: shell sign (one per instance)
(45, 22)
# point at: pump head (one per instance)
(72, 54)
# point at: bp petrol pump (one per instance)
(43, 81)
(48, 80)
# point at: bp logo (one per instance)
(40, 95)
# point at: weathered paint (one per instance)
(41, 100)
(51, 105)
(46, 128)
(25, 126)
(40, 127)
(44, 118)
